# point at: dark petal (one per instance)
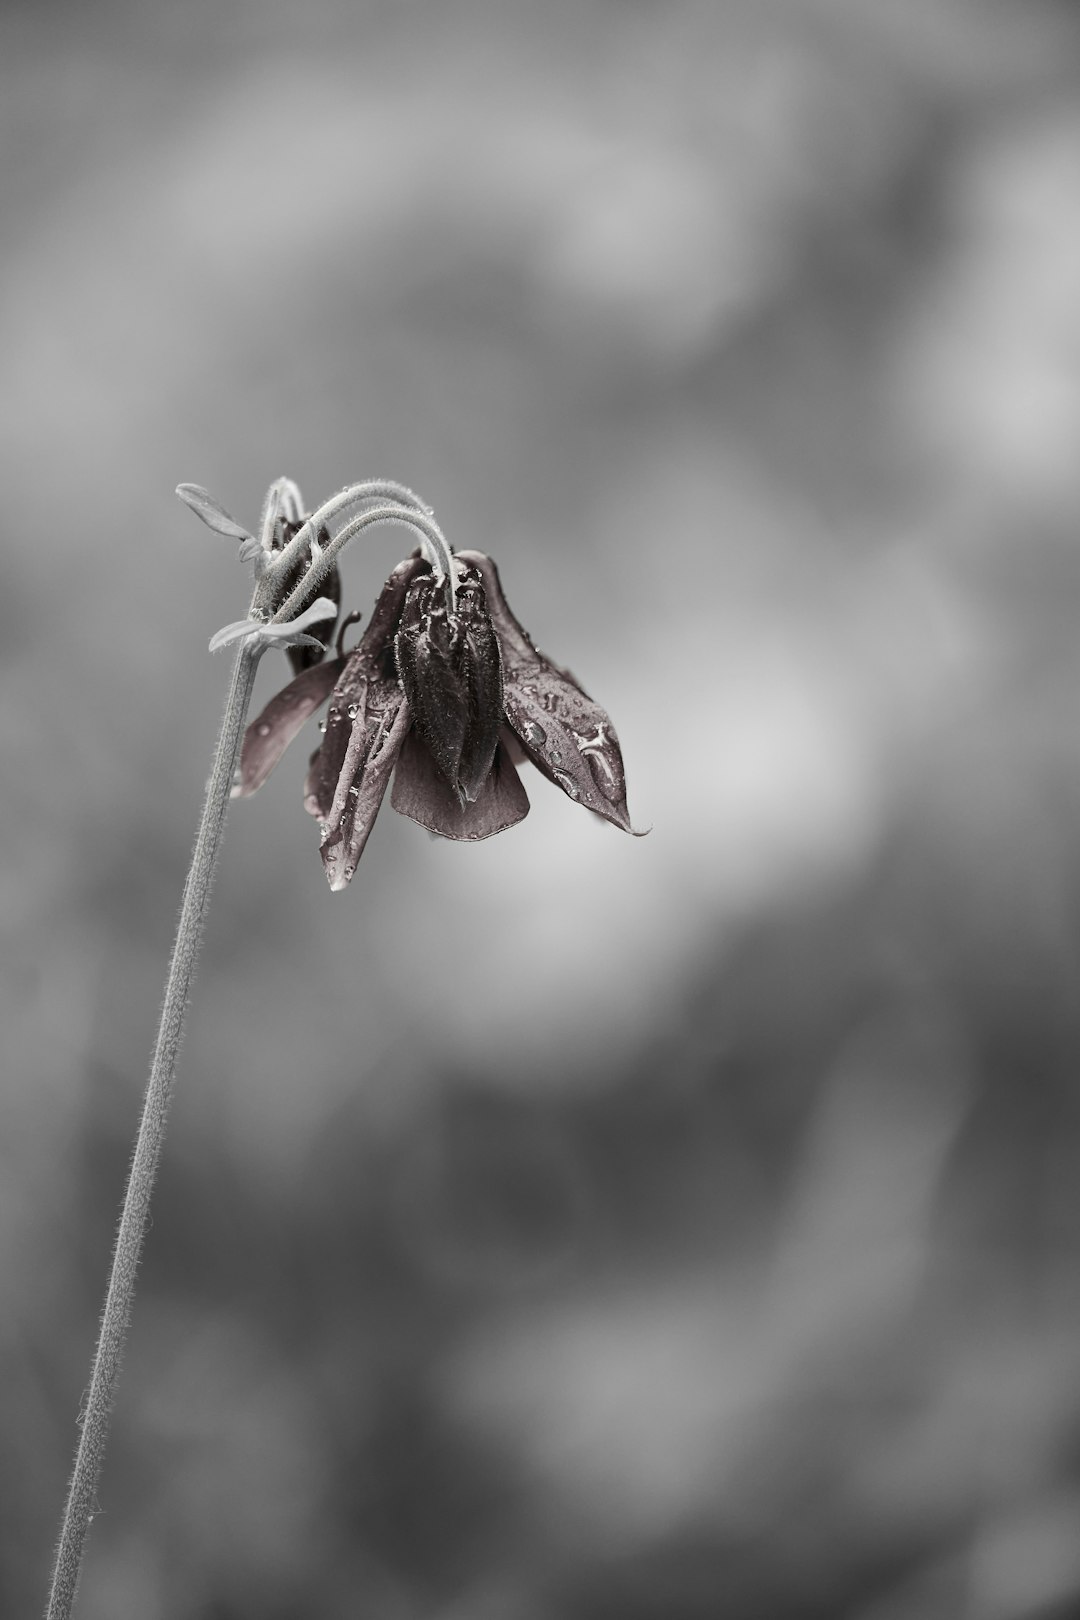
(480, 666)
(422, 793)
(379, 635)
(372, 660)
(380, 728)
(267, 737)
(368, 721)
(428, 671)
(565, 734)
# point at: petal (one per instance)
(379, 729)
(422, 793)
(565, 734)
(368, 721)
(371, 660)
(428, 671)
(267, 738)
(480, 665)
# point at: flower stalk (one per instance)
(79, 1509)
(267, 625)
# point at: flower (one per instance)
(446, 692)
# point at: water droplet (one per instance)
(568, 785)
(322, 725)
(534, 735)
(604, 776)
(264, 728)
(354, 792)
(353, 710)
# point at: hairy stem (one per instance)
(136, 1208)
(432, 541)
(372, 489)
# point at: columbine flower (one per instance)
(445, 691)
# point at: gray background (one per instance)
(566, 1227)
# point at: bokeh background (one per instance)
(568, 1227)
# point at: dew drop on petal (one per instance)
(604, 776)
(568, 785)
(534, 735)
(353, 710)
(264, 728)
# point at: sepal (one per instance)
(213, 514)
(568, 736)
(268, 736)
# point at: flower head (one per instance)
(445, 692)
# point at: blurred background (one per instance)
(567, 1227)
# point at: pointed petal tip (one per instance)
(623, 825)
(612, 817)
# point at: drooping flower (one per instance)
(445, 692)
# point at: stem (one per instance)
(372, 489)
(136, 1208)
(432, 541)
